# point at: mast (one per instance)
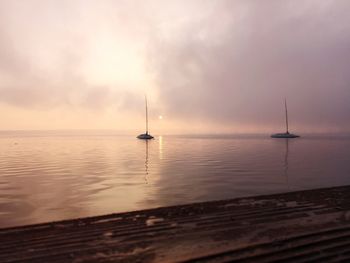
(146, 115)
(285, 105)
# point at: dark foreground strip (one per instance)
(305, 226)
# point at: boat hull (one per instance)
(284, 135)
(145, 136)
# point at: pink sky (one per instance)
(206, 65)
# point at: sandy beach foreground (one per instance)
(294, 227)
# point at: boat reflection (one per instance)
(146, 162)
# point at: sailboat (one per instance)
(145, 136)
(286, 134)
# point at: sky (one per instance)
(207, 66)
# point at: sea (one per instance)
(56, 175)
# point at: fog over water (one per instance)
(213, 65)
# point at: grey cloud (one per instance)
(276, 49)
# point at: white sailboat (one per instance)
(146, 136)
(285, 134)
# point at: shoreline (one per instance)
(278, 227)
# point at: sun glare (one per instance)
(112, 62)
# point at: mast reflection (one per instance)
(146, 163)
(286, 163)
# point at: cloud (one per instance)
(49, 52)
(219, 62)
(237, 64)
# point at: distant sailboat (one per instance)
(145, 136)
(286, 134)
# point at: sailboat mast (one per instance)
(285, 105)
(146, 115)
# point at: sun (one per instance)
(160, 117)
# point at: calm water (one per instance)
(53, 176)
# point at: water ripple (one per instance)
(53, 176)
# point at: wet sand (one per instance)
(293, 227)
